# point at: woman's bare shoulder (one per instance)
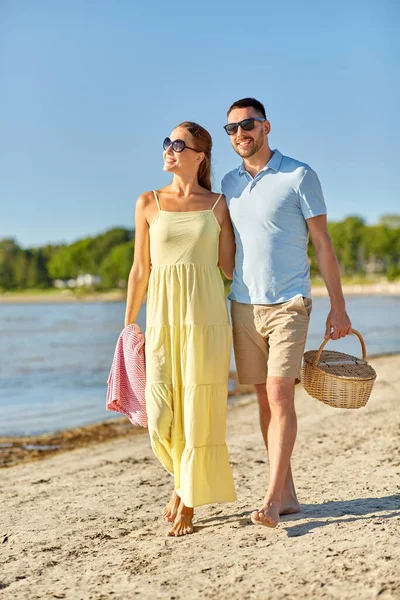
(221, 200)
(145, 200)
(221, 210)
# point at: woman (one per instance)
(183, 233)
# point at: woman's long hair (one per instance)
(203, 143)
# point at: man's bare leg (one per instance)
(281, 436)
(289, 503)
(170, 511)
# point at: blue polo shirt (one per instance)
(269, 214)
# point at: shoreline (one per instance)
(15, 450)
(21, 449)
(18, 450)
(68, 297)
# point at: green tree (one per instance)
(105, 242)
(61, 265)
(20, 268)
(347, 238)
(37, 275)
(70, 261)
(9, 251)
(116, 265)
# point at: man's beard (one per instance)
(253, 149)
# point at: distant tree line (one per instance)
(108, 255)
(365, 249)
(360, 248)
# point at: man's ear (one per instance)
(267, 127)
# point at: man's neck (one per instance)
(255, 163)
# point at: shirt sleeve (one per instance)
(311, 197)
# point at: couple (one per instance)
(183, 234)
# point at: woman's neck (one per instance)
(185, 186)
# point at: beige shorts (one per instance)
(269, 339)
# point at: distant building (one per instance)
(60, 284)
(86, 280)
(391, 221)
(375, 265)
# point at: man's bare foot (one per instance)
(268, 515)
(289, 503)
(289, 508)
(171, 509)
(183, 524)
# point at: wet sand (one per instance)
(18, 450)
(85, 524)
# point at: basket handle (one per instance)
(322, 346)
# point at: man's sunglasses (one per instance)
(246, 125)
(177, 145)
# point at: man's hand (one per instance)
(338, 324)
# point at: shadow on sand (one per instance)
(319, 515)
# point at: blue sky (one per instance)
(89, 89)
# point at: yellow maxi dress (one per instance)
(188, 346)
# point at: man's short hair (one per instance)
(249, 102)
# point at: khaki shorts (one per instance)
(269, 339)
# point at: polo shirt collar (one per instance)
(274, 163)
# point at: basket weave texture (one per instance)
(338, 379)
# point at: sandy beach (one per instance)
(68, 296)
(85, 524)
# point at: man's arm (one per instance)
(338, 323)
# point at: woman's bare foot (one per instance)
(268, 515)
(171, 509)
(183, 524)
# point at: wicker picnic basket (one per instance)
(338, 379)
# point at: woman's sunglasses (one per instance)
(177, 145)
(246, 125)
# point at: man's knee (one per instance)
(280, 392)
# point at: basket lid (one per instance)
(340, 364)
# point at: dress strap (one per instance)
(157, 200)
(218, 199)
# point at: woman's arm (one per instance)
(140, 271)
(227, 248)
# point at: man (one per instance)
(275, 202)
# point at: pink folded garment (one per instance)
(127, 379)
